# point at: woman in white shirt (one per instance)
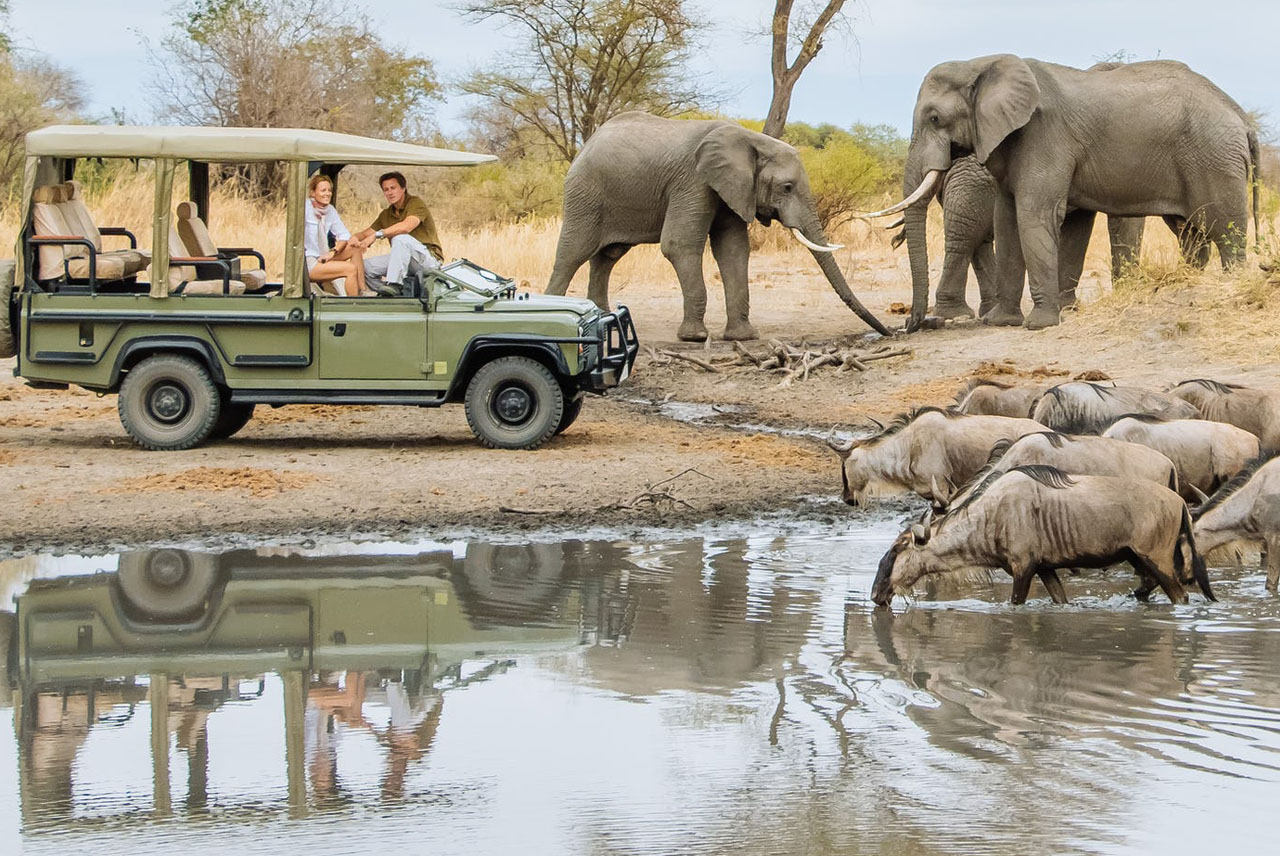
(345, 260)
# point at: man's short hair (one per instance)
(397, 176)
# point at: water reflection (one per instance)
(623, 697)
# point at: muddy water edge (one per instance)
(727, 692)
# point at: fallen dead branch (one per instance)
(797, 363)
(661, 493)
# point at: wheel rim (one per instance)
(513, 405)
(167, 568)
(168, 402)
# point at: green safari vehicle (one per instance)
(194, 347)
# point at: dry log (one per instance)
(702, 364)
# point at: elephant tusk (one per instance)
(925, 187)
(817, 248)
(895, 224)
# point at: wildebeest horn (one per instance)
(928, 519)
(919, 533)
(838, 447)
(877, 423)
(930, 180)
(933, 489)
(1200, 495)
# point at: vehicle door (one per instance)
(371, 338)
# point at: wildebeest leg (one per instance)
(1146, 587)
(1053, 584)
(1167, 581)
(1022, 577)
(1273, 565)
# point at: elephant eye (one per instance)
(933, 120)
(788, 187)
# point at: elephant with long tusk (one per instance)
(641, 179)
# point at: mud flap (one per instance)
(8, 341)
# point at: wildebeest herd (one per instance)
(1077, 475)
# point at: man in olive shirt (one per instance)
(407, 224)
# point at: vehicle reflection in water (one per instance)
(184, 634)
(631, 697)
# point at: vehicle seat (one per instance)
(80, 222)
(196, 238)
(182, 277)
(49, 220)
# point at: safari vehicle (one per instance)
(207, 337)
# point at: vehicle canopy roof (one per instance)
(223, 145)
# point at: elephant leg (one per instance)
(731, 248)
(601, 266)
(955, 275)
(1010, 265)
(984, 268)
(1229, 232)
(1126, 243)
(1077, 228)
(1040, 229)
(1193, 242)
(571, 254)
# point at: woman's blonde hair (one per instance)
(316, 181)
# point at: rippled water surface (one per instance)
(708, 696)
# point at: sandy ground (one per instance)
(72, 480)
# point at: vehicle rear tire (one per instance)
(514, 403)
(572, 408)
(167, 584)
(233, 416)
(169, 403)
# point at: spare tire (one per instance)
(168, 584)
(8, 341)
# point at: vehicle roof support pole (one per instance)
(28, 190)
(160, 226)
(294, 262)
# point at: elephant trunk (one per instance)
(915, 232)
(812, 229)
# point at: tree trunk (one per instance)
(784, 75)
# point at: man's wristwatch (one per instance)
(378, 234)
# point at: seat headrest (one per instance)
(73, 189)
(50, 194)
(187, 211)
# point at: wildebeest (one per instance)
(992, 398)
(1077, 456)
(1206, 453)
(1033, 520)
(1246, 508)
(1081, 407)
(1255, 410)
(930, 451)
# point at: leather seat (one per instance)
(56, 261)
(196, 238)
(77, 217)
(182, 277)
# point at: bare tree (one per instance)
(288, 63)
(786, 74)
(582, 62)
(34, 91)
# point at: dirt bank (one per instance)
(73, 480)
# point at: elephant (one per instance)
(1063, 144)
(967, 195)
(641, 179)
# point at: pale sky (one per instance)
(873, 79)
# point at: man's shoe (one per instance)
(386, 289)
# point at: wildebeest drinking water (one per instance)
(1033, 520)
(1246, 508)
(930, 451)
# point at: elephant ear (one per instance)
(726, 161)
(1005, 95)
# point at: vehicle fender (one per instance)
(186, 345)
(8, 325)
(481, 349)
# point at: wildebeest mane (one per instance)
(1212, 385)
(1046, 475)
(1149, 418)
(1233, 485)
(902, 420)
(1001, 447)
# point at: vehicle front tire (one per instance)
(572, 408)
(514, 403)
(168, 403)
(233, 417)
